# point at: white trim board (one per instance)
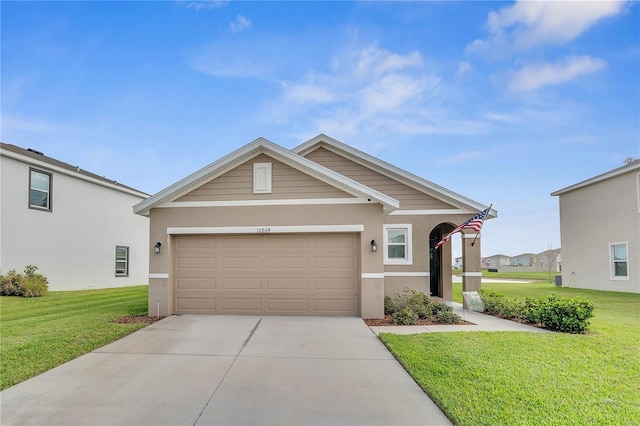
(158, 276)
(372, 275)
(250, 203)
(472, 274)
(264, 229)
(429, 212)
(407, 274)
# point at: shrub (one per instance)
(564, 314)
(553, 313)
(405, 316)
(389, 306)
(497, 304)
(408, 306)
(31, 284)
(447, 317)
(10, 284)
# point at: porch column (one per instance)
(471, 263)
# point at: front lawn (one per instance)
(40, 333)
(510, 378)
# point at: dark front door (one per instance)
(435, 263)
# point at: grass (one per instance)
(508, 378)
(40, 333)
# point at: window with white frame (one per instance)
(40, 190)
(122, 261)
(619, 259)
(397, 244)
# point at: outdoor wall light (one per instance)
(374, 246)
(156, 248)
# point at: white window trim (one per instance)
(262, 178)
(408, 260)
(126, 262)
(49, 191)
(611, 264)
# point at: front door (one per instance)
(435, 263)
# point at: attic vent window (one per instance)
(262, 178)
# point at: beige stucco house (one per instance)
(322, 229)
(78, 228)
(600, 231)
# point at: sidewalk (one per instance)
(481, 322)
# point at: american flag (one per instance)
(474, 223)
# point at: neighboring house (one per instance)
(496, 261)
(457, 263)
(548, 260)
(76, 227)
(323, 229)
(600, 231)
(524, 259)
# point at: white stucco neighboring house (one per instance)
(600, 231)
(78, 228)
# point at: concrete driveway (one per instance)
(202, 370)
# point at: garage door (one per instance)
(267, 274)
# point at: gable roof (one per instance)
(38, 159)
(253, 149)
(634, 165)
(393, 172)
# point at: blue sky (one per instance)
(502, 102)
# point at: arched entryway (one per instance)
(440, 261)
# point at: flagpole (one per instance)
(485, 218)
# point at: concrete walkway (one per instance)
(482, 322)
(226, 370)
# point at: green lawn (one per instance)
(543, 379)
(40, 333)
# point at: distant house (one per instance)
(496, 261)
(457, 262)
(548, 260)
(78, 228)
(600, 231)
(524, 259)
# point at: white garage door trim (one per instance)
(264, 229)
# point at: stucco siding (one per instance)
(592, 218)
(74, 244)
(410, 198)
(368, 215)
(287, 183)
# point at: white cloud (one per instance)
(202, 5)
(241, 23)
(532, 77)
(528, 24)
(463, 68)
(308, 94)
(373, 61)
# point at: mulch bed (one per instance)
(136, 319)
(388, 320)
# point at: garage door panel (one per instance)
(200, 304)
(288, 262)
(336, 263)
(243, 263)
(241, 242)
(343, 284)
(241, 283)
(287, 306)
(286, 242)
(245, 305)
(334, 306)
(267, 274)
(288, 284)
(196, 283)
(196, 263)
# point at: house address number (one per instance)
(263, 230)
